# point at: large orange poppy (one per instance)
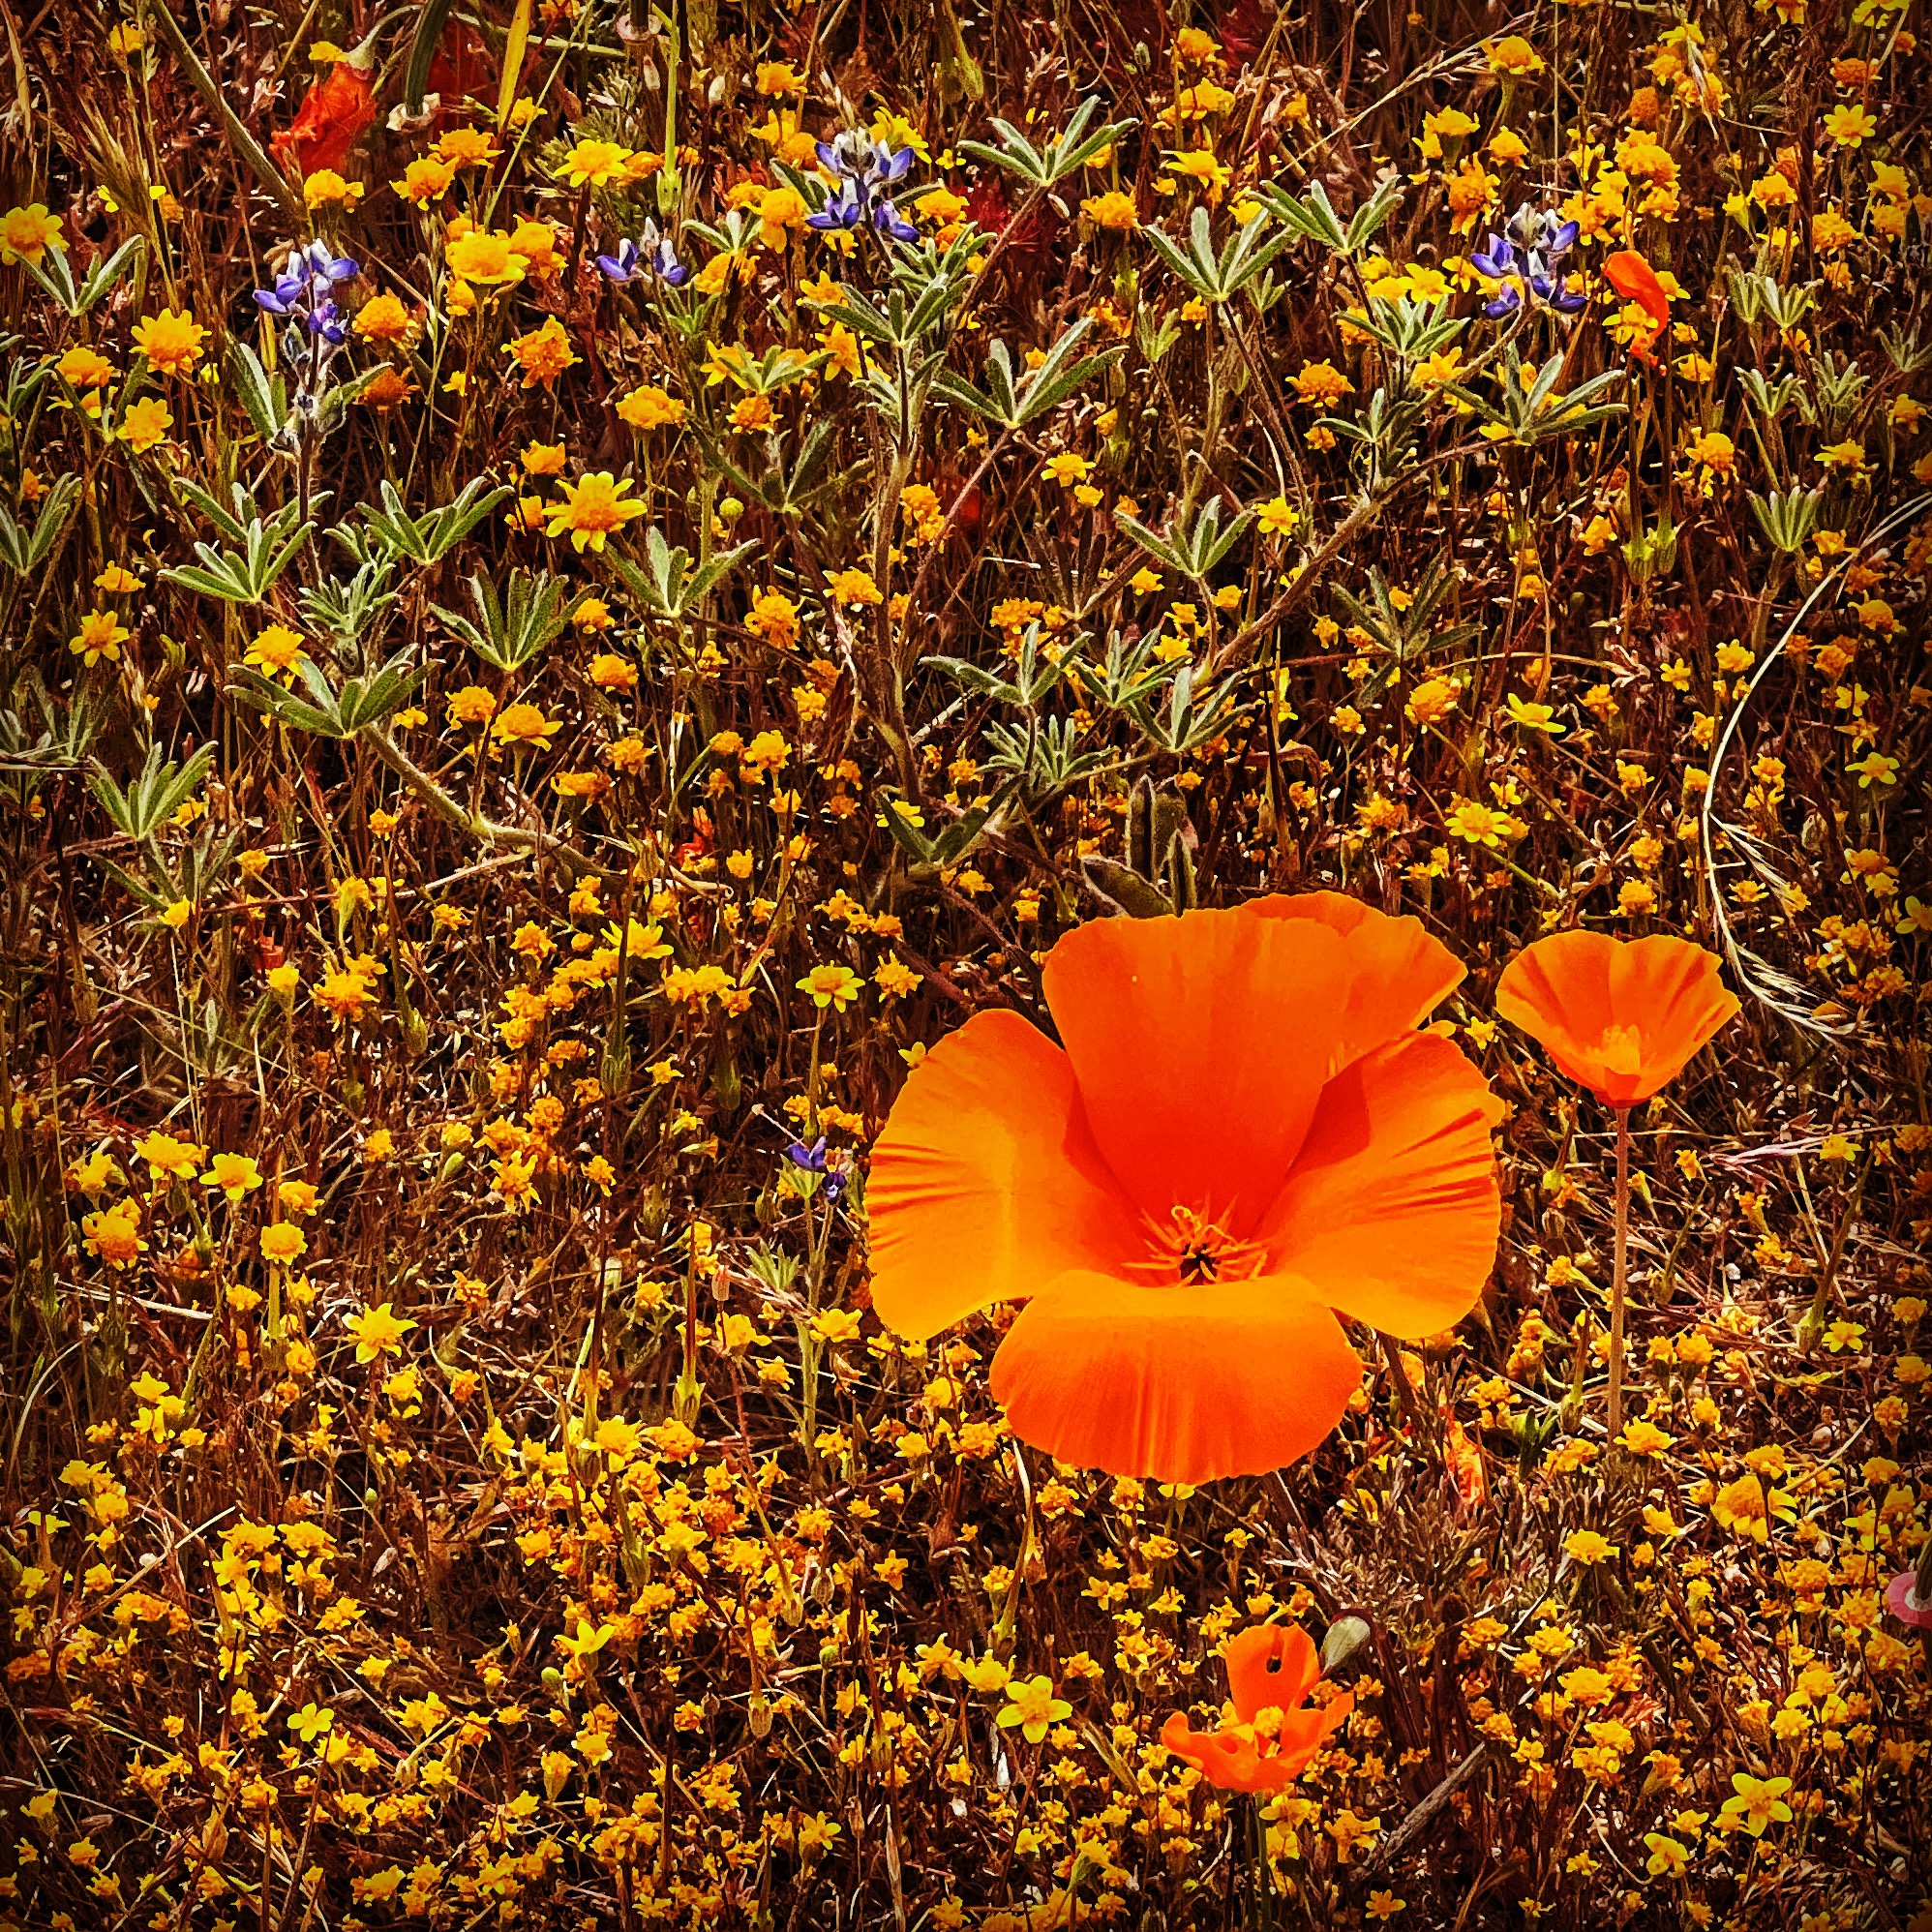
(1268, 1739)
(1620, 1016)
(1244, 1132)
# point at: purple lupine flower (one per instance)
(664, 258)
(626, 266)
(888, 220)
(651, 254)
(1497, 263)
(302, 291)
(327, 321)
(812, 1160)
(1528, 260)
(844, 208)
(866, 171)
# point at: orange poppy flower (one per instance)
(1269, 1740)
(1636, 280)
(1244, 1132)
(1620, 1016)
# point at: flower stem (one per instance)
(1264, 1891)
(1619, 1275)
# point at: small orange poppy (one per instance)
(1244, 1132)
(1636, 280)
(1268, 1740)
(1620, 1016)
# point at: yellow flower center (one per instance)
(1196, 1251)
(1622, 1048)
(594, 506)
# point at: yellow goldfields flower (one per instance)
(234, 1174)
(485, 258)
(274, 652)
(282, 1243)
(852, 586)
(543, 354)
(779, 78)
(27, 233)
(383, 319)
(100, 635)
(376, 1332)
(592, 508)
(524, 725)
(425, 179)
(836, 987)
(326, 189)
(146, 423)
(1850, 126)
(595, 162)
(171, 341)
(649, 407)
(1432, 700)
(1758, 1803)
(1031, 1709)
(84, 367)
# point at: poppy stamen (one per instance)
(1196, 1252)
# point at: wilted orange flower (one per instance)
(1266, 1739)
(1621, 1018)
(339, 106)
(1244, 1132)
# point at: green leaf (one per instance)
(154, 797)
(55, 277)
(422, 52)
(516, 628)
(107, 271)
(24, 553)
(265, 396)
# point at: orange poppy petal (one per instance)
(1200, 1046)
(1636, 280)
(1305, 1732)
(1391, 1212)
(1272, 1664)
(985, 1183)
(1400, 971)
(1557, 992)
(1672, 992)
(1230, 1763)
(1177, 1384)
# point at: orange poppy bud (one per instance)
(1621, 1018)
(1245, 1133)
